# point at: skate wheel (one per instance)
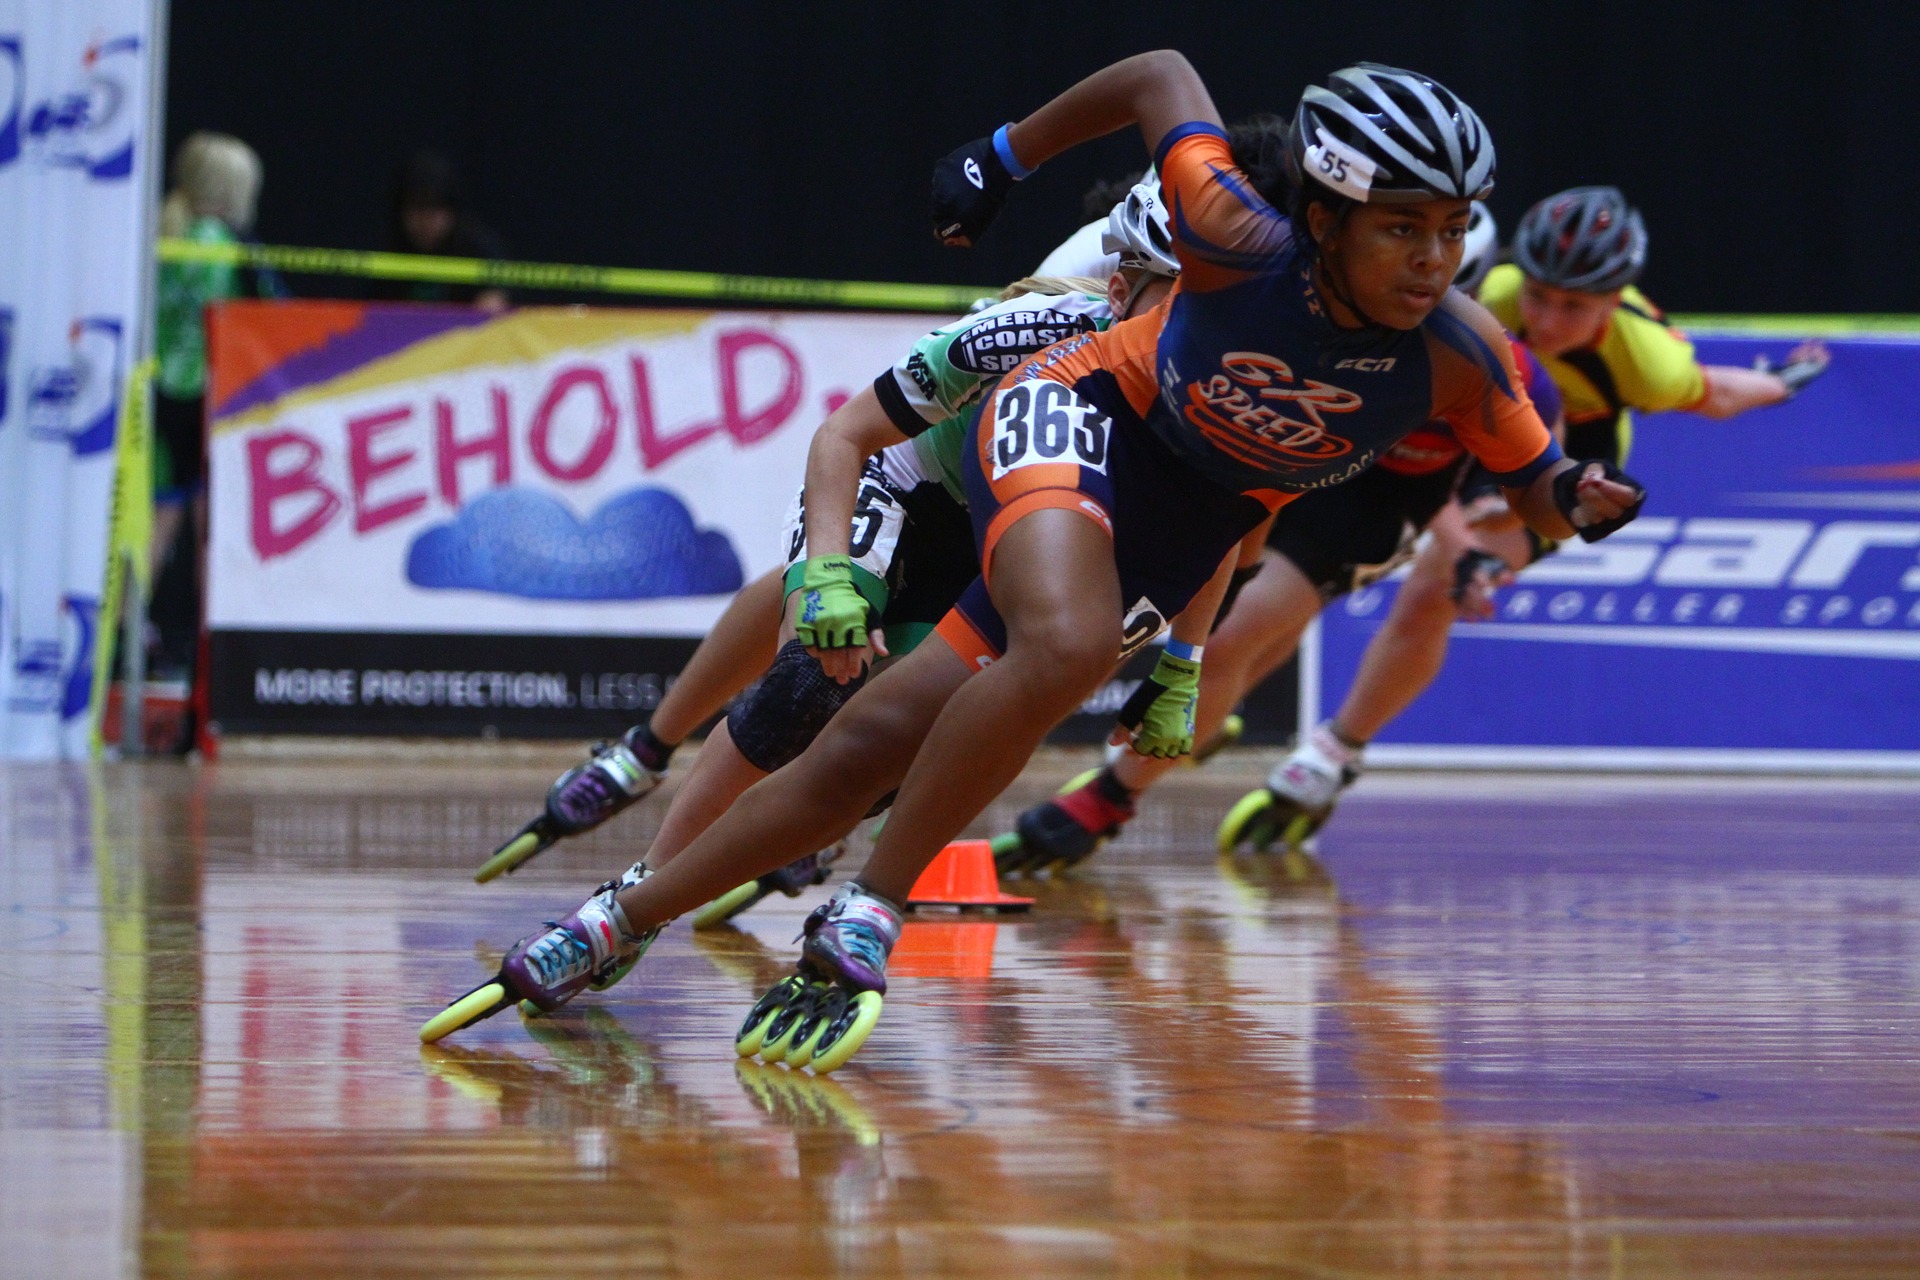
(1078, 781)
(509, 856)
(1301, 829)
(1231, 730)
(528, 1009)
(842, 1037)
(1008, 852)
(785, 1029)
(482, 1002)
(1248, 822)
(727, 906)
(753, 1032)
(618, 972)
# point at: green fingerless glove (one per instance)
(1160, 712)
(833, 614)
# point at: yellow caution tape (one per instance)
(484, 273)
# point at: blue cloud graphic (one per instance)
(641, 545)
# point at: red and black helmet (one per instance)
(1588, 239)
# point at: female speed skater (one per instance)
(1328, 543)
(884, 474)
(1569, 295)
(888, 516)
(896, 480)
(1110, 478)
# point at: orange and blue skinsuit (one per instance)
(1181, 429)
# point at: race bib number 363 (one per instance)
(1041, 421)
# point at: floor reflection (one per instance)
(1515, 1029)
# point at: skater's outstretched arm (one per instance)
(1731, 390)
(1158, 91)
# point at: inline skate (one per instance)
(823, 1013)
(616, 775)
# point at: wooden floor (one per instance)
(1514, 1028)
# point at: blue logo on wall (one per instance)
(50, 674)
(641, 545)
(13, 96)
(90, 126)
(79, 402)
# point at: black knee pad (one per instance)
(779, 717)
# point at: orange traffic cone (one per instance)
(963, 875)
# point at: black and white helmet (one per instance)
(1588, 239)
(1138, 230)
(1481, 250)
(1381, 135)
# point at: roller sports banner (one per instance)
(432, 520)
(1763, 612)
(74, 214)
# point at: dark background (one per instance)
(1774, 147)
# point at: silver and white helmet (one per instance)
(1481, 250)
(1380, 135)
(1139, 231)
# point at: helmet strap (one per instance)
(1328, 280)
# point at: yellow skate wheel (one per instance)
(1079, 780)
(753, 1032)
(1300, 828)
(1245, 812)
(846, 1033)
(1231, 730)
(511, 854)
(806, 1034)
(792, 1024)
(481, 1002)
(1008, 852)
(726, 906)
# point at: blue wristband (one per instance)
(1004, 149)
(1178, 649)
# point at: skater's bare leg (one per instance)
(720, 775)
(860, 756)
(1055, 584)
(735, 652)
(1259, 633)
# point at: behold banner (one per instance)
(74, 157)
(435, 520)
(1764, 611)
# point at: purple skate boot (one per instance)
(616, 775)
(793, 880)
(592, 948)
(824, 1012)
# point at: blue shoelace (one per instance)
(558, 956)
(864, 944)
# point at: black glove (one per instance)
(1796, 373)
(1472, 563)
(1566, 496)
(969, 186)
